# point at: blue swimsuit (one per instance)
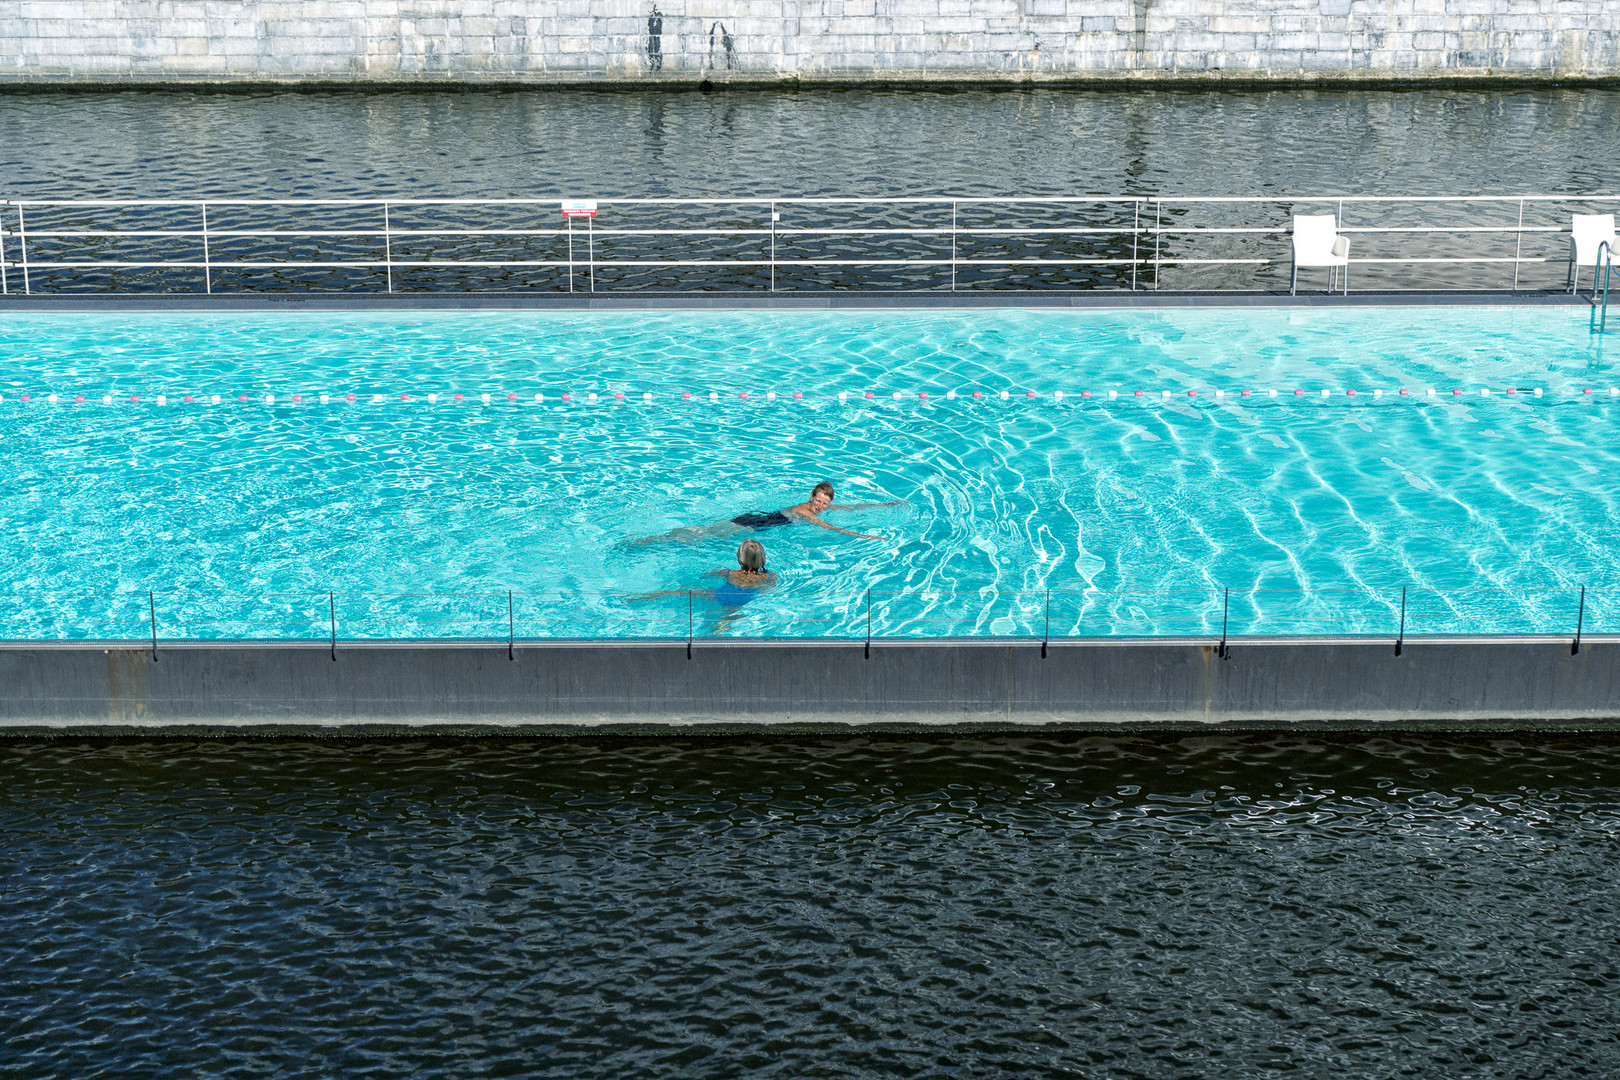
(735, 596)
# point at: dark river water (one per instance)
(1183, 906)
(823, 142)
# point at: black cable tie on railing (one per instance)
(1580, 617)
(869, 624)
(1048, 637)
(1400, 635)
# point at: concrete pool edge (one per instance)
(410, 302)
(738, 687)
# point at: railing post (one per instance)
(689, 624)
(1580, 617)
(511, 626)
(1047, 638)
(388, 248)
(208, 270)
(151, 601)
(953, 245)
(1605, 259)
(1400, 635)
(1157, 235)
(5, 285)
(331, 609)
(590, 250)
(1226, 607)
(1136, 227)
(571, 261)
(773, 246)
(22, 248)
(869, 624)
(1518, 240)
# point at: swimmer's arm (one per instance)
(812, 519)
(864, 506)
(707, 594)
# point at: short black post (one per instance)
(869, 624)
(331, 610)
(1580, 617)
(1226, 607)
(1047, 639)
(511, 625)
(1400, 635)
(151, 602)
(689, 624)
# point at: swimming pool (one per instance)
(396, 509)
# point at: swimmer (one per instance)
(820, 502)
(738, 586)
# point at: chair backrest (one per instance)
(1587, 232)
(1313, 236)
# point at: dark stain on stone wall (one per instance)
(727, 43)
(655, 40)
(1139, 9)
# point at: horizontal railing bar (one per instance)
(633, 263)
(914, 200)
(1146, 230)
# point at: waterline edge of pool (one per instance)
(754, 686)
(741, 301)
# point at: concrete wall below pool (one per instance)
(582, 688)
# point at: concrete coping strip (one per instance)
(1209, 642)
(746, 301)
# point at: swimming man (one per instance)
(820, 502)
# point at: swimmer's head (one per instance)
(822, 496)
(751, 555)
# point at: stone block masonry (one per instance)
(768, 41)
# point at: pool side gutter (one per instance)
(749, 301)
(672, 687)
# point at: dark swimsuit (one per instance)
(757, 520)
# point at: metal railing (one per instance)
(1042, 616)
(1600, 302)
(771, 245)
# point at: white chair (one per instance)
(1588, 233)
(1317, 243)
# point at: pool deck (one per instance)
(756, 301)
(321, 688)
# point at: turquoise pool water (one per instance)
(1117, 516)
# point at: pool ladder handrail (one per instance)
(1605, 266)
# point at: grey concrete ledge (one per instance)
(755, 301)
(1483, 683)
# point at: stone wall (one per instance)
(687, 41)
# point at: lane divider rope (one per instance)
(843, 396)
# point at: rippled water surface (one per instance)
(1179, 907)
(1134, 512)
(822, 142)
